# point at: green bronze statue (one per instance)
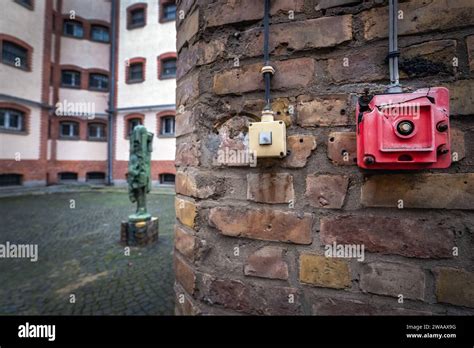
(139, 179)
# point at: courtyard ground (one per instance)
(79, 254)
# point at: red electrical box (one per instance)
(404, 130)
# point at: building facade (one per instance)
(81, 74)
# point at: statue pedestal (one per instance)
(139, 233)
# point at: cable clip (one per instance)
(268, 69)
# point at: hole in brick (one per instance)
(269, 227)
(278, 113)
(355, 159)
(344, 152)
(331, 139)
(465, 182)
(301, 140)
(343, 112)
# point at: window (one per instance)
(95, 177)
(132, 123)
(71, 78)
(135, 72)
(96, 131)
(69, 129)
(167, 125)
(137, 18)
(73, 28)
(12, 120)
(67, 177)
(168, 68)
(168, 12)
(10, 179)
(167, 179)
(26, 3)
(15, 55)
(99, 81)
(100, 33)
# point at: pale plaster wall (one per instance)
(80, 150)
(15, 18)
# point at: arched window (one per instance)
(66, 177)
(73, 29)
(132, 123)
(135, 72)
(11, 179)
(167, 125)
(70, 78)
(136, 16)
(100, 33)
(98, 82)
(95, 177)
(167, 179)
(167, 65)
(69, 129)
(15, 55)
(167, 10)
(12, 120)
(96, 131)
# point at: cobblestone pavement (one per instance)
(79, 253)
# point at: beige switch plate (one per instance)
(278, 146)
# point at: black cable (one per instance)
(266, 33)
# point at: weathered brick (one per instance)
(461, 95)
(324, 272)
(267, 262)
(233, 144)
(300, 148)
(387, 235)
(187, 90)
(428, 58)
(186, 211)
(420, 16)
(184, 274)
(342, 148)
(301, 35)
(188, 29)
(329, 110)
(184, 304)
(187, 152)
(280, 106)
(185, 123)
(196, 183)
(393, 279)
(436, 191)
(185, 243)
(292, 73)
(263, 224)
(369, 63)
(325, 4)
(270, 188)
(326, 191)
(251, 299)
(199, 54)
(455, 286)
(458, 149)
(234, 11)
(356, 307)
(470, 51)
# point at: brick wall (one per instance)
(252, 239)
